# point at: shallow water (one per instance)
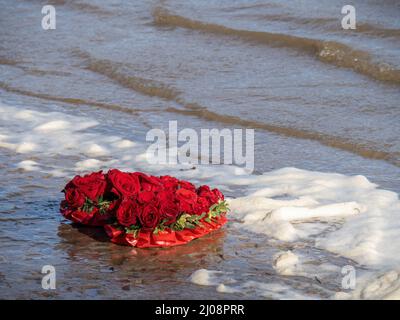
(320, 98)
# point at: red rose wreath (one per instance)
(144, 211)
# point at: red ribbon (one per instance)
(166, 238)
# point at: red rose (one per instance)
(169, 183)
(127, 212)
(149, 217)
(74, 197)
(146, 197)
(205, 192)
(218, 194)
(123, 184)
(148, 183)
(165, 195)
(91, 185)
(186, 195)
(201, 206)
(186, 199)
(187, 185)
(169, 211)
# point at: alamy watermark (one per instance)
(349, 277)
(49, 279)
(349, 20)
(206, 148)
(49, 20)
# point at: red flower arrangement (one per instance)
(142, 210)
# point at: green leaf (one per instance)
(133, 229)
(192, 221)
(190, 225)
(88, 206)
(103, 205)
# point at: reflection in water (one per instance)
(90, 254)
(91, 243)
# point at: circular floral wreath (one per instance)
(142, 210)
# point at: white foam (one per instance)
(123, 143)
(369, 215)
(25, 147)
(88, 164)
(96, 150)
(275, 290)
(53, 126)
(285, 262)
(28, 165)
(224, 283)
(222, 288)
(204, 277)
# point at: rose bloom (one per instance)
(218, 194)
(169, 211)
(91, 185)
(165, 195)
(187, 185)
(202, 206)
(123, 184)
(147, 197)
(148, 183)
(187, 200)
(127, 212)
(205, 192)
(74, 197)
(149, 217)
(169, 183)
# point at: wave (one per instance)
(69, 100)
(8, 62)
(195, 110)
(375, 30)
(252, 6)
(115, 71)
(112, 69)
(152, 88)
(327, 24)
(149, 87)
(83, 7)
(331, 52)
(325, 139)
